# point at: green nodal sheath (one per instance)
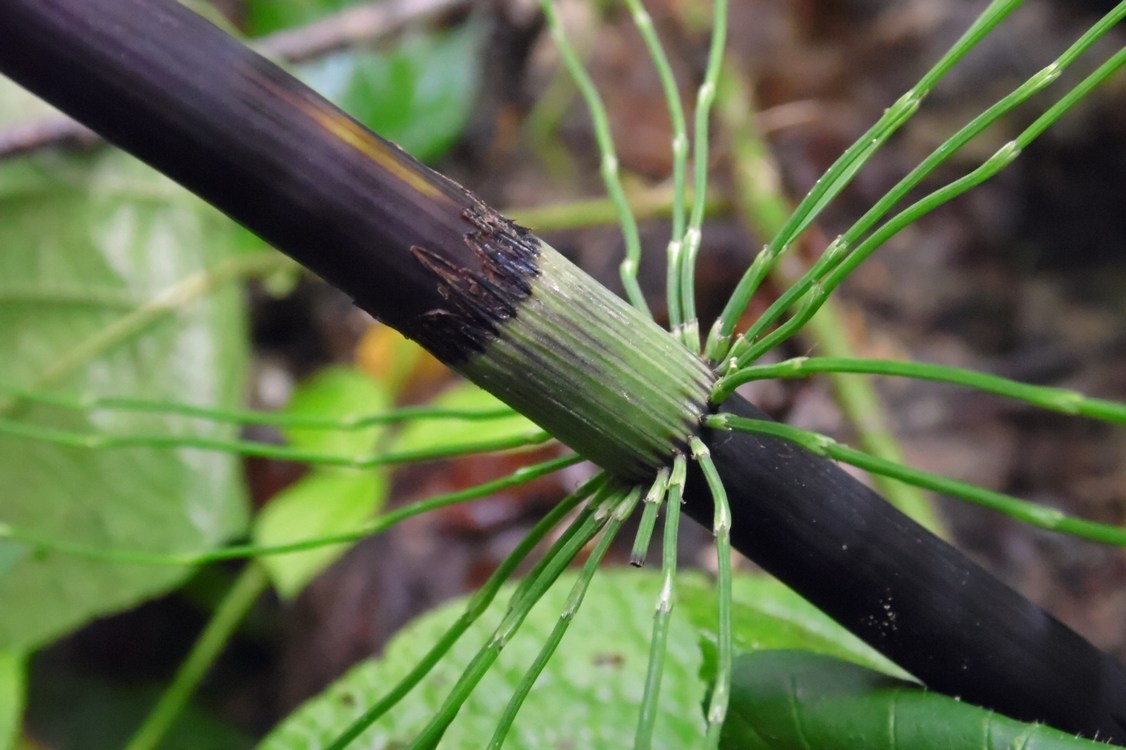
(594, 372)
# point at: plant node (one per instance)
(550, 341)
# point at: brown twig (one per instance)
(348, 28)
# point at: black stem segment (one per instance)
(171, 88)
(912, 596)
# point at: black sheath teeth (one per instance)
(478, 301)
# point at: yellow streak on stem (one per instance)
(360, 138)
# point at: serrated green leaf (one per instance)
(321, 503)
(86, 241)
(13, 694)
(327, 500)
(452, 434)
(587, 698)
(797, 699)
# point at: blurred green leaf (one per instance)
(797, 699)
(10, 554)
(324, 502)
(578, 701)
(13, 694)
(418, 94)
(327, 500)
(337, 393)
(451, 434)
(587, 698)
(86, 242)
(267, 16)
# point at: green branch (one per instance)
(1020, 510)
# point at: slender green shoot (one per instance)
(705, 97)
(595, 505)
(1062, 400)
(239, 599)
(560, 556)
(840, 174)
(666, 600)
(91, 404)
(725, 649)
(761, 201)
(476, 606)
(1004, 156)
(118, 300)
(646, 203)
(652, 505)
(609, 166)
(43, 544)
(1077, 94)
(644, 23)
(839, 248)
(570, 609)
(1020, 510)
(106, 441)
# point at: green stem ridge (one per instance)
(1022, 510)
(608, 168)
(761, 201)
(531, 590)
(43, 544)
(840, 174)
(476, 607)
(571, 608)
(666, 600)
(1060, 400)
(952, 625)
(841, 257)
(652, 504)
(725, 649)
(594, 372)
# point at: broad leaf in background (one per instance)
(13, 694)
(456, 434)
(769, 615)
(327, 500)
(590, 693)
(805, 701)
(89, 245)
(267, 16)
(587, 698)
(418, 93)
